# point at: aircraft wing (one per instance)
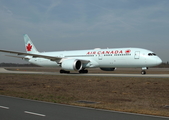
(52, 58)
(15, 56)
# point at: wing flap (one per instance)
(15, 56)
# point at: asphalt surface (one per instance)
(22, 109)
(2, 70)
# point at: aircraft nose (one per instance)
(158, 61)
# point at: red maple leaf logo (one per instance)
(127, 51)
(29, 47)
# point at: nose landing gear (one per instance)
(143, 72)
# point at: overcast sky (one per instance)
(56, 25)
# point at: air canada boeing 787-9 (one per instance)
(79, 60)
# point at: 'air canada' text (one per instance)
(109, 52)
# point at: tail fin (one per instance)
(29, 46)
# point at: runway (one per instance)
(22, 109)
(2, 70)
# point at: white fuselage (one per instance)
(79, 60)
(103, 58)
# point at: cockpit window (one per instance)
(154, 54)
(151, 54)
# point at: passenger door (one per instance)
(137, 55)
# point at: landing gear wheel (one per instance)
(143, 72)
(86, 71)
(63, 71)
(83, 71)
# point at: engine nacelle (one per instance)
(71, 64)
(108, 69)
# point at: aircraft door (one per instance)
(137, 55)
(100, 56)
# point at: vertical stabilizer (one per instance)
(29, 46)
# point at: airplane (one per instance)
(79, 60)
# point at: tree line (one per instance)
(16, 65)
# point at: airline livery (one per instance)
(105, 59)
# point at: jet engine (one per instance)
(108, 69)
(71, 64)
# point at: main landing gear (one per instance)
(143, 72)
(81, 71)
(63, 71)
